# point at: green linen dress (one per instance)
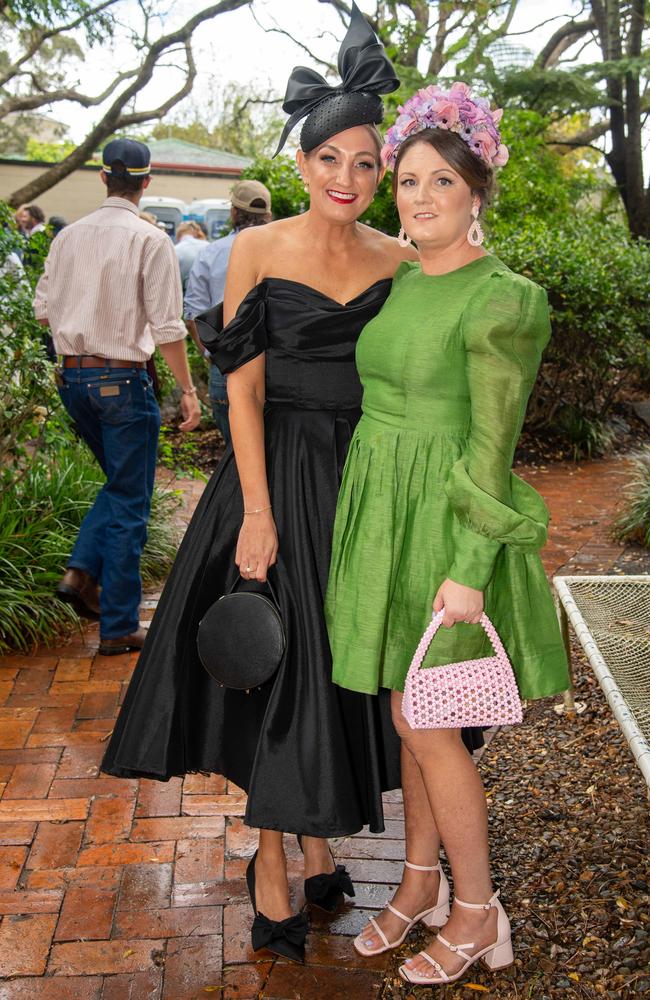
(428, 492)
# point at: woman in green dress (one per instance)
(430, 510)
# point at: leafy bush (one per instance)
(40, 514)
(598, 284)
(633, 523)
(283, 180)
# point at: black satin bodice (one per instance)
(298, 327)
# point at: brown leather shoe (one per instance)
(110, 647)
(78, 588)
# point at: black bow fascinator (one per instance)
(366, 72)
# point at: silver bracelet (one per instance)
(192, 391)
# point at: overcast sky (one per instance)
(233, 48)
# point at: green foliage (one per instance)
(283, 180)
(29, 14)
(382, 213)
(548, 92)
(27, 397)
(247, 123)
(40, 514)
(49, 152)
(633, 523)
(538, 182)
(598, 284)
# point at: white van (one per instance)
(214, 213)
(169, 211)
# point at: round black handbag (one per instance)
(241, 637)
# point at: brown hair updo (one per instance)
(476, 173)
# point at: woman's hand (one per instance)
(257, 547)
(461, 604)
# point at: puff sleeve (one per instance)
(505, 329)
(243, 339)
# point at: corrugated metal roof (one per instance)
(187, 154)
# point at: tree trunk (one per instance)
(625, 157)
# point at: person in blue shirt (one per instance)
(190, 240)
(250, 206)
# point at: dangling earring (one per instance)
(403, 239)
(475, 234)
(306, 185)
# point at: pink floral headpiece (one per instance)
(456, 110)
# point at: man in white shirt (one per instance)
(111, 294)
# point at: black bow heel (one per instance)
(283, 937)
(326, 891)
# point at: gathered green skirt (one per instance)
(398, 517)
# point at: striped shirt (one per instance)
(111, 286)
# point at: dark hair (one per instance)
(241, 219)
(37, 213)
(122, 183)
(474, 171)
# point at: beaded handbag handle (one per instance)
(435, 624)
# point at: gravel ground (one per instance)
(569, 829)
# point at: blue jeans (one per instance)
(219, 401)
(117, 415)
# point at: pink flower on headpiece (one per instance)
(471, 113)
(456, 110)
(484, 146)
(459, 92)
(443, 113)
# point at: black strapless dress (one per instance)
(314, 758)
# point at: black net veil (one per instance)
(366, 72)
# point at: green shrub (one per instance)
(633, 523)
(598, 284)
(40, 515)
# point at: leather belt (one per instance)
(94, 361)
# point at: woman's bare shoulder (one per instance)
(387, 246)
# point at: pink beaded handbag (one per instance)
(470, 693)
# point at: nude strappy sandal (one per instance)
(434, 916)
(495, 956)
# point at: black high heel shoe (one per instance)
(283, 937)
(326, 891)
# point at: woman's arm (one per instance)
(257, 546)
(505, 331)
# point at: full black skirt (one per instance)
(313, 757)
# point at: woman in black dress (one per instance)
(313, 758)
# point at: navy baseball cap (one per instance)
(134, 155)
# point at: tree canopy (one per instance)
(39, 67)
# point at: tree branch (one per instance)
(138, 117)
(330, 67)
(32, 101)
(344, 11)
(114, 118)
(44, 34)
(561, 40)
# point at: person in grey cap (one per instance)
(111, 294)
(251, 206)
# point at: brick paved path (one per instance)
(118, 889)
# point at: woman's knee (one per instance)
(422, 741)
